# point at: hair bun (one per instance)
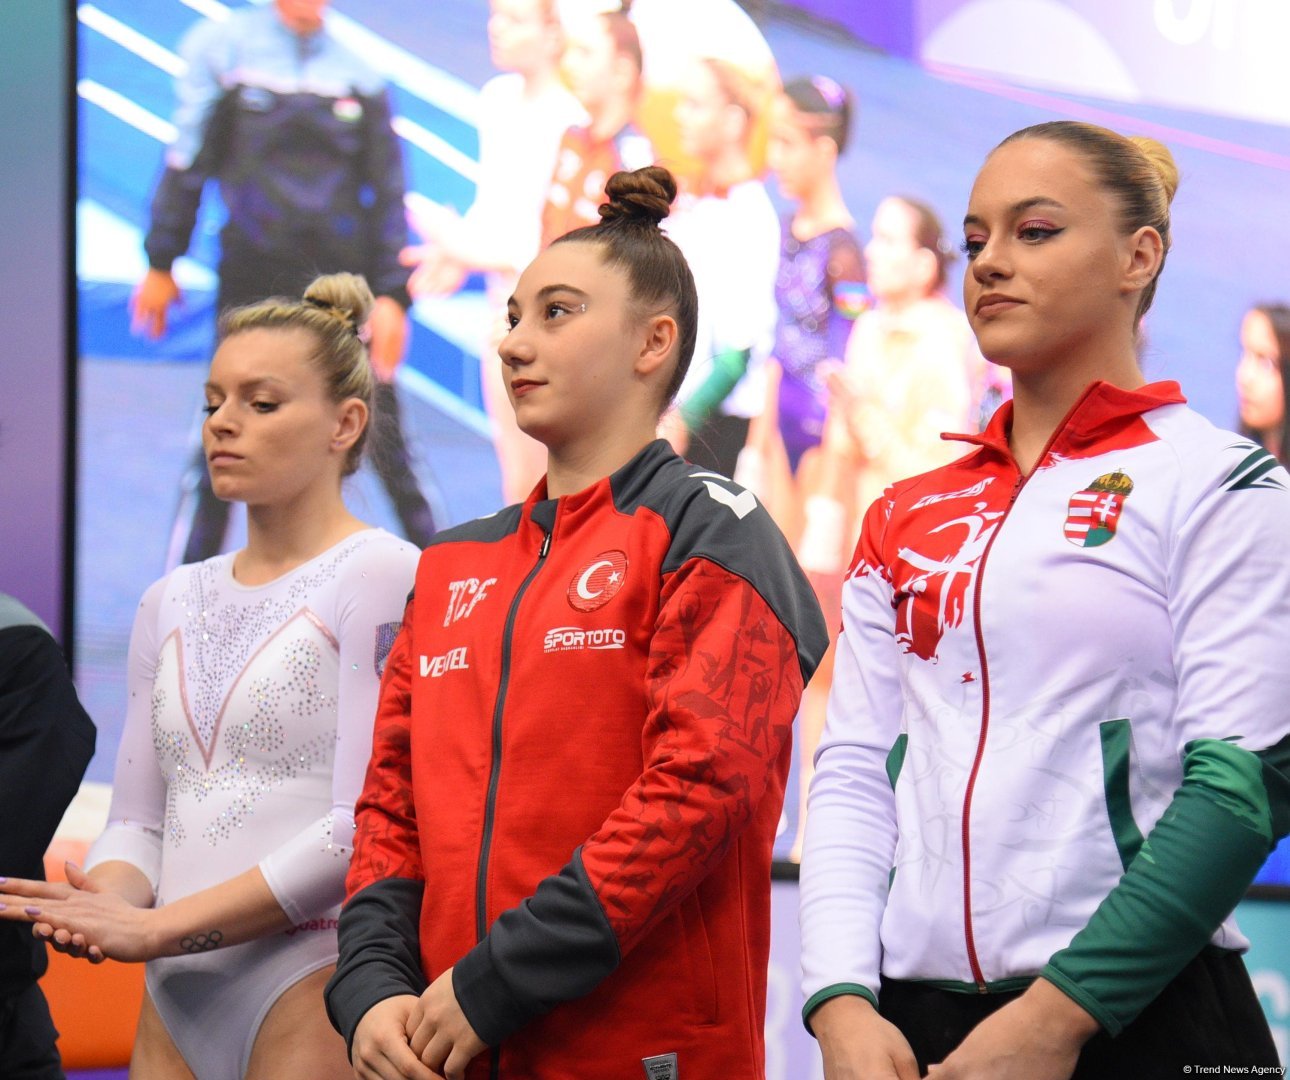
(1162, 160)
(644, 196)
(345, 296)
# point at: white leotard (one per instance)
(247, 735)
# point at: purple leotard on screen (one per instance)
(819, 292)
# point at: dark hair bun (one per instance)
(643, 196)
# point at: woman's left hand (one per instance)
(1036, 1037)
(439, 1033)
(76, 918)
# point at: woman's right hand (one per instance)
(64, 941)
(858, 1044)
(381, 1049)
(81, 917)
(150, 304)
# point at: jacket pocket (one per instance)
(700, 974)
(1117, 749)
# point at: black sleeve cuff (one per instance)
(555, 946)
(380, 952)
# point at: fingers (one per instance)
(413, 256)
(455, 1067)
(16, 909)
(146, 319)
(438, 1053)
(25, 887)
(62, 940)
(381, 1050)
(421, 1035)
(393, 1061)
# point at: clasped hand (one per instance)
(78, 918)
(425, 1038)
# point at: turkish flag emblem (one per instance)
(1092, 517)
(598, 581)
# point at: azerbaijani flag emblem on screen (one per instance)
(1094, 513)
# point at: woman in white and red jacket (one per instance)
(1058, 744)
(583, 735)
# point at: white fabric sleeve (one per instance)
(742, 296)
(138, 807)
(1229, 602)
(307, 874)
(495, 229)
(850, 841)
(205, 52)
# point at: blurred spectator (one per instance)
(729, 232)
(910, 366)
(296, 129)
(819, 292)
(603, 63)
(1261, 383)
(522, 116)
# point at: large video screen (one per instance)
(706, 100)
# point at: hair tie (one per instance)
(335, 313)
(833, 94)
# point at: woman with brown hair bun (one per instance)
(583, 737)
(253, 681)
(1057, 749)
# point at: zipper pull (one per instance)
(546, 545)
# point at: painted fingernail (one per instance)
(32, 910)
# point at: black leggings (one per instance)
(1208, 1015)
(28, 1041)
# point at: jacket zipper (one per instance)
(968, 933)
(494, 777)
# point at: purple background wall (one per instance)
(34, 316)
(1220, 56)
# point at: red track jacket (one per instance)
(579, 765)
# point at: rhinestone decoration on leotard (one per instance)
(221, 635)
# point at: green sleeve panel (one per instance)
(1189, 874)
(727, 369)
(836, 990)
(1275, 761)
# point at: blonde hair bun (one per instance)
(346, 296)
(1162, 160)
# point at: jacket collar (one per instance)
(540, 508)
(1102, 412)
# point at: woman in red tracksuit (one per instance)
(583, 735)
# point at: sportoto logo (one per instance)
(598, 581)
(575, 639)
